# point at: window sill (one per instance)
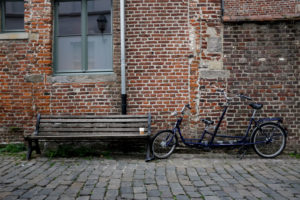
(14, 36)
(83, 78)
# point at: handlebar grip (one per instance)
(188, 106)
(245, 97)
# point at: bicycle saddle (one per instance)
(256, 106)
(207, 121)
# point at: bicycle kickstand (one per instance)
(242, 152)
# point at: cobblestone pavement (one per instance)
(183, 176)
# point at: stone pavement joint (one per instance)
(182, 176)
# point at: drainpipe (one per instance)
(222, 8)
(123, 64)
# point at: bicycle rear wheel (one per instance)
(164, 143)
(269, 140)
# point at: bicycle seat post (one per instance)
(206, 127)
(253, 114)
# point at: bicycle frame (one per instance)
(239, 140)
(268, 138)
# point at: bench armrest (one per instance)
(37, 125)
(149, 123)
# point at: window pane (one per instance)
(100, 53)
(69, 18)
(69, 54)
(99, 16)
(14, 15)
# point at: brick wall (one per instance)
(157, 57)
(15, 101)
(28, 86)
(263, 60)
(206, 61)
(176, 53)
(259, 7)
(261, 10)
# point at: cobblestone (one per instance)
(182, 176)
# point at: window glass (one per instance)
(99, 16)
(83, 41)
(14, 15)
(99, 53)
(99, 38)
(69, 18)
(69, 54)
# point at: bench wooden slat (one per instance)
(73, 125)
(90, 129)
(96, 125)
(75, 134)
(93, 120)
(82, 136)
(93, 116)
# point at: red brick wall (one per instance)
(176, 53)
(259, 7)
(15, 99)
(263, 60)
(157, 57)
(28, 86)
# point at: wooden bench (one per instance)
(89, 128)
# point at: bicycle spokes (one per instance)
(164, 144)
(269, 140)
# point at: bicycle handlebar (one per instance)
(245, 97)
(218, 90)
(185, 106)
(228, 98)
(182, 110)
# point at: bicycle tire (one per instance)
(269, 140)
(162, 148)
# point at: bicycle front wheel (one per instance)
(269, 140)
(164, 143)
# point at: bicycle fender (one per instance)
(264, 120)
(271, 123)
(168, 130)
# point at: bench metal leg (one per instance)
(36, 147)
(28, 156)
(149, 154)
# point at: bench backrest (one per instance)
(92, 124)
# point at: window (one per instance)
(83, 36)
(12, 15)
